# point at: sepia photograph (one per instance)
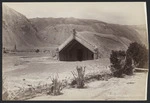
(54, 51)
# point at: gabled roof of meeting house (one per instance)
(78, 36)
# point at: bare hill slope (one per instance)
(18, 30)
(57, 30)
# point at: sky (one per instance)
(125, 13)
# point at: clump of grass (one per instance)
(56, 86)
(79, 77)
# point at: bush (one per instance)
(117, 58)
(37, 50)
(124, 62)
(129, 65)
(139, 53)
(4, 51)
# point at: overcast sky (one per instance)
(130, 13)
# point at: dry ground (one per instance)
(21, 71)
(128, 88)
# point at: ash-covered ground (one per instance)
(22, 71)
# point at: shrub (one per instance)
(139, 53)
(129, 65)
(124, 63)
(117, 58)
(79, 77)
(4, 50)
(37, 50)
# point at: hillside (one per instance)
(57, 30)
(48, 32)
(18, 30)
(141, 29)
(106, 36)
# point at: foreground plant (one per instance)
(79, 77)
(56, 87)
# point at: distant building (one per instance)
(76, 48)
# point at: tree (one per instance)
(139, 54)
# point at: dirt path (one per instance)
(128, 88)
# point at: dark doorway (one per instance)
(79, 54)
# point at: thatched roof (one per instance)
(81, 40)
